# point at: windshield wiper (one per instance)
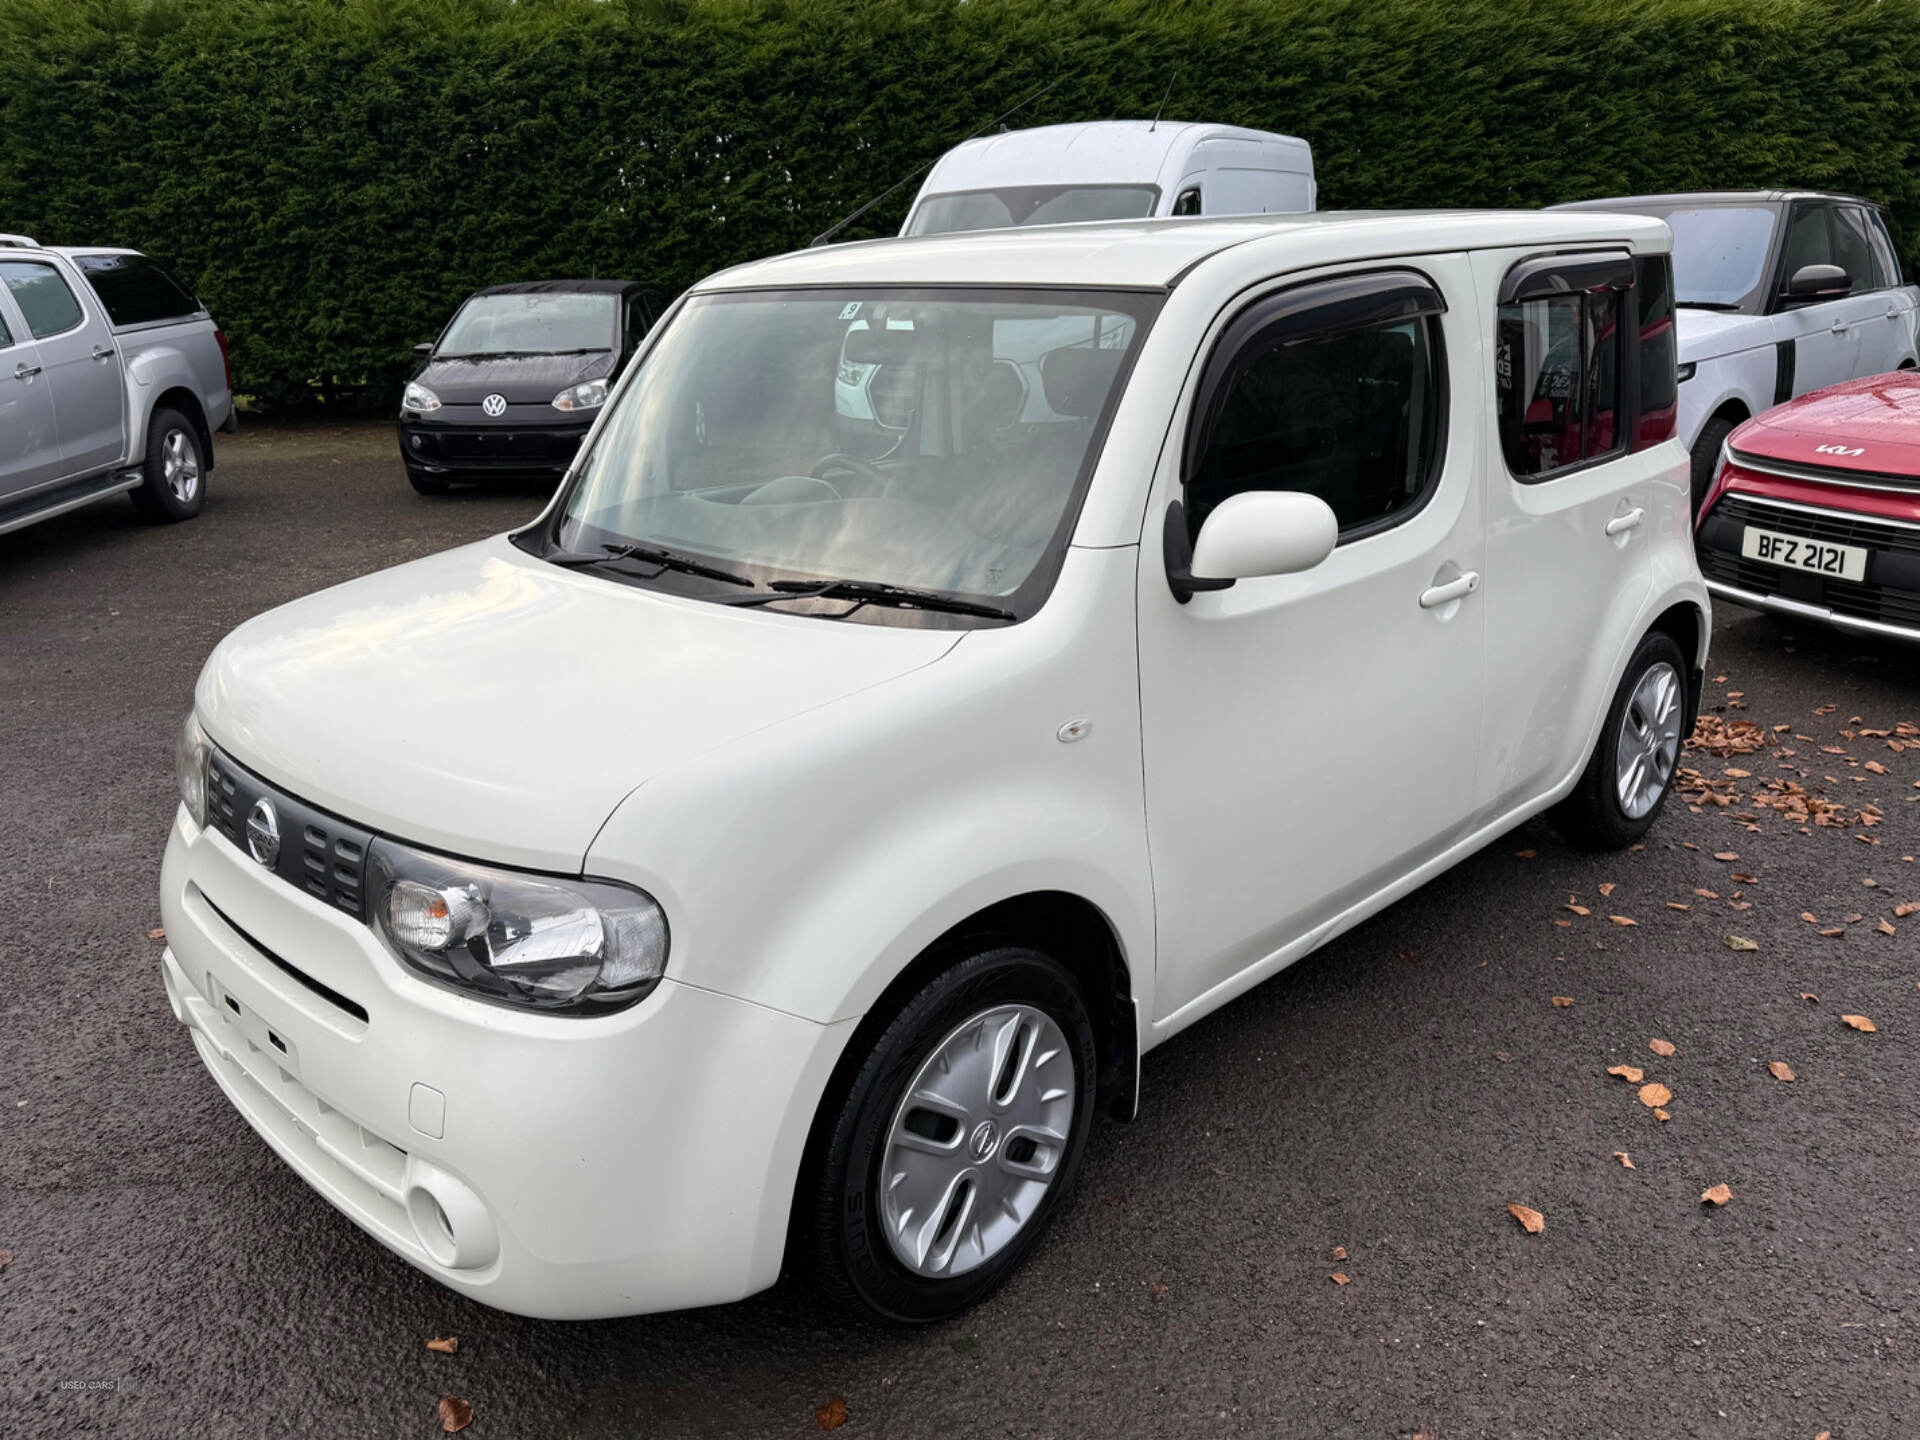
(869, 592)
(520, 354)
(1705, 305)
(657, 555)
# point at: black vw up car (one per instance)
(515, 379)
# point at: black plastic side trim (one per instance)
(1783, 358)
(1566, 275)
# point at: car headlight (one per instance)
(417, 398)
(190, 768)
(590, 396)
(580, 947)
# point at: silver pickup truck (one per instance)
(113, 378)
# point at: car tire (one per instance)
(175, 483)
(427, 484)
(983, 1049)
(1706, 457)
(1627, 781)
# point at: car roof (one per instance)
(1154, 254)
(561, 287)
(1717, 197)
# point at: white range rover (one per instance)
(778, 854)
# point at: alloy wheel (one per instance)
(1649, 745)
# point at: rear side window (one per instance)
(43, 297)
(1342, 400)
(1652, 298)
(1558, 362)
(6, 335)
(136, 291)
(1883, 246)
(1853, 251)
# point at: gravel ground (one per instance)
(1392, 1095)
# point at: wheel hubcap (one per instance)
(976, 1141)
(179, 466)
(1649, 740)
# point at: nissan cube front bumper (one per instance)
(554, 1167)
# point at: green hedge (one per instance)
(334, 175)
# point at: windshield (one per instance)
(537, 324)
(930, 439)
(1030, 205)
(1720, 254)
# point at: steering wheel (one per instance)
(850, 464)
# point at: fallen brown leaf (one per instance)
(1831, 933)
(1809, 997)
(1906, 908)
(1859, 1022)
(1338, 1278)
(1626, 1160)
(832, 1415)
(1780, 1070)
(1156, 1292)
(1718, 1195)
(1524, 854)
(455, 1414)
(1807, 915)
(1502, 1056)
(1886, 928)
(1707, 894)
(1622, 920)
(1608, 888)
(1661, 1115)
(1676, 905)
(1744, 879)
(157, 933)
(444, 1347)
(1339, 1252)
(1855, 919)
(1629, 1073)
(1875, 766)
(1727, 855)
(1743, 905)
(6, 1258)
(1532, 1221)
(1660, 1047)
(1561, 1002)
(1654, 1094)
(1740, 942)
(1579, 909)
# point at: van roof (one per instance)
(1153, 254)
(1097, 152)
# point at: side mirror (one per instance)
(423, 350)
(1252, 534)
(1819, 282)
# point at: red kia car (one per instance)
(1814, 511)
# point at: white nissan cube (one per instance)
(775, 855)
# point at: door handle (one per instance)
(23, 371)
(1620, 524)
(1840, 327)
(1435, 596)
(101, 352)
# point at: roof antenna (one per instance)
(825, 235)
(1163, 104)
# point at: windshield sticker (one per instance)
(853, 309)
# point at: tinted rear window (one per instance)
(135, 290)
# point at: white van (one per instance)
(1112, 170)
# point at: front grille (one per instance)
(1890, 594)
(1826, 474)
(319, 853)
(1836, 526)
(519, 446)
